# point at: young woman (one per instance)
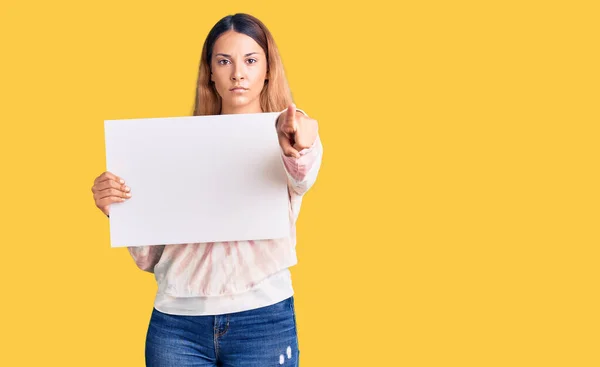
(231, 303)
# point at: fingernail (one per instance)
(121, 181)
(127, 188)
(128, 195)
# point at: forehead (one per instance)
(234, 42)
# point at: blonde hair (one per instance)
(275, 95)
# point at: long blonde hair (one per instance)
(275, 95)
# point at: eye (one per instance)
(252, 61)
(223, 62)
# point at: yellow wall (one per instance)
(455, 219)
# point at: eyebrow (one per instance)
(226, 55)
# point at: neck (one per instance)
(231, 110)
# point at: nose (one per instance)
(238, 73)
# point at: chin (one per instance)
(239, 102)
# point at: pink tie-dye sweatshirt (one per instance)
(222, 277)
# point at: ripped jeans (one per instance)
(262, 337)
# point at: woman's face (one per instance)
(239, 69)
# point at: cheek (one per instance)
(219, 83)
(258, 77)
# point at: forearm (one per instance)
(302, 172)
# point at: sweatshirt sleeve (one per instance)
(146, 257)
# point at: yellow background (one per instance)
(455, 219)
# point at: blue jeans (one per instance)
(262, 337)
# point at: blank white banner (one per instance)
(197, 179)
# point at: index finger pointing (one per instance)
(290, 121)
(291, 113)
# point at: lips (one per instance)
(237, 89)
